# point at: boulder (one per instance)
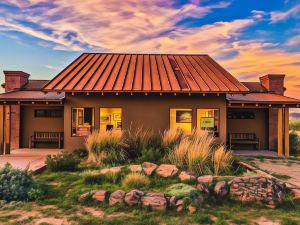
(116, 169)
(221, 189)
(208, 179)
(155, 200)
(184, 176)
(101, 195)
(182, 190)
(202, 187)
(149, 167)
(167, 170)
(296, 194)
(173, 201)
(85, 195)
(192, 209)
(135, 168)
(180, 205)
(133, 197)
(116, 197)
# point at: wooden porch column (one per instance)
(280, 132)
(283, 132)
(286, 133)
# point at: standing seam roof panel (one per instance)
(163, 75)
(156, 85)
(216, 79)
(198, 79)
(147, 74)
(114, 73)
(138, 78)
(130, 74)
(122, 74)
(73, 83)
(172, 78)
(90, 74)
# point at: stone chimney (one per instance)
(14, 80)
(273, 83)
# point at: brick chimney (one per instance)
(14, 80)
(273, 83)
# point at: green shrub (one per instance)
(18, 185)
(294, 125)
(62, 162)
(81, 153)
(294, 141)
(150, 155)
(93, 177)
(135, 180)
(182, 190)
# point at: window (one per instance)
(82, 121)
(181, 118)
(240, 115)
(110, 118)
(48, 113)
(209, 119)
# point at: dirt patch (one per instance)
(265, 221)
(94, 212)
(53, 221)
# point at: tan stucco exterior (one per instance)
(30, 123)
(151, 111)
(259, 126)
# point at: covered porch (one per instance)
(259, 121)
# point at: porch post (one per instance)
(280, 132)
(286, 133)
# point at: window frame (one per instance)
(181, 108)
(219, 122)
(93, 119)
(61, 113)
(111, 107)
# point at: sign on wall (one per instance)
(207, 122)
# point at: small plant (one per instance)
(81, 153)
(136, 180)
(93, 177)
(106, 147)
(62, 162)
(18, 185)
(113, 177)
(150, 155)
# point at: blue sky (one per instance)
(248, 37)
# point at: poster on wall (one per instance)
(82, 131)
(207, 122)
(105, 119)
(183, 116)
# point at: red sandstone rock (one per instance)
(167, 170)
(156, 200)
(100, 195)
(116, 197)
(149, 167)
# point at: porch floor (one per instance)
(266, 153)
(33, 158)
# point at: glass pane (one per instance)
(208, 119)
(82, 121)
(110, 118)
(181, 118)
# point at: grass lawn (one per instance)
(62, 207)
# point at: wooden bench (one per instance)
(244, 139)
(46, 137)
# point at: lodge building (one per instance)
(154, 91)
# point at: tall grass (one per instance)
(171, 138)
(197, 152)
(106, 147)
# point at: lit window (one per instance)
(110, 118)
(181, 118)
(82, 121)
(209, 119)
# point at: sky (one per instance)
(250, 38)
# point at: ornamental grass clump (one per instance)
(198, 153)
(106, 147)
(171, 138)
(136, 180)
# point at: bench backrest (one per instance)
(243, 136)
(47, 135)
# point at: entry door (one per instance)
(5, 117)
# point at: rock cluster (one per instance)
(268, 191)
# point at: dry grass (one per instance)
(136, 180)
(105, 145)
(171, 137)
(196, 153)
(222, 160)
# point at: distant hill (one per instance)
(295, 116)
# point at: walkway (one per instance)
(34, 158)
(265, 153)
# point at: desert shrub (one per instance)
(294, 142)
(150, 155)
(171, 138)
(81, 153)
(62, 162)
(198, 152)
(18, 185)
(113, 177)
(294, 125)
(106, 147)
(135, 180)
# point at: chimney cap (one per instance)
(15, 72)
(272, 76)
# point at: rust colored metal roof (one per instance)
(254, 86)
(33, 85)
(31, 96)
(97, 72)
(267, 98)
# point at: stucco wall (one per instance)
(29, 124)
(259, 126)
(151, 112)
